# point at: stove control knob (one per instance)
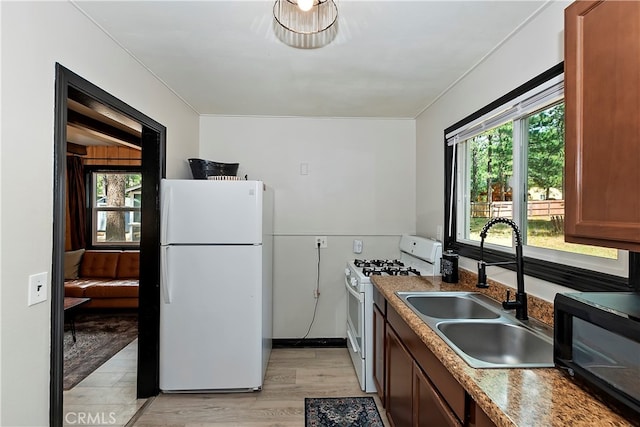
(347, 272)
(353, 282)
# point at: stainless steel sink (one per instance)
(481, 332)
(450, 307)
(491, 344)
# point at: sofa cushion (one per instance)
(113, 289)
(73, 291)
(111, 303)
(72, 264)
(76, 288)
(128, 265)
(99, 264)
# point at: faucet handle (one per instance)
(508, 295)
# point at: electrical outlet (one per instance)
(37, 288)
(322, 240)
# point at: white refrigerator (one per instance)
(216, 285)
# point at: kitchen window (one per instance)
(115, 201)
(507, 160)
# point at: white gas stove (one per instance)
(419, 256)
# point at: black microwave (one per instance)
(597, 344)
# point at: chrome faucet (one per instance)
(520, 303)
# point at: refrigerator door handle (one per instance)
(164, 217)
(164, 278)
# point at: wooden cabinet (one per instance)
(420, 391)
(399, 382)
(602, 87)
(478, 417)
(413, 401)
(379, 328)
(429, 408)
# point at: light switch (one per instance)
(304, 168)
(357, 246)
(37, 288)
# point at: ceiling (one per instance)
(390, 59)
(90, 122)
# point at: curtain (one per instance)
(77, 196)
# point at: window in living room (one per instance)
(115, 207)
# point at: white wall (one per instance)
(535, 48)
(36, 35)
(360, 184)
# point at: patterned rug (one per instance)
(341, 412)
(99, 336)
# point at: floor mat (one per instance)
(99, 336)
(341, 412)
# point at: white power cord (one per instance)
(317, 295)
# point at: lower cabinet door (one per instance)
(378, 353)
(399, 382)
(478, 417)
(429, 408)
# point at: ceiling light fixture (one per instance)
(305, 24)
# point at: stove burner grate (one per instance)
(389, 270)
(378, 263)
(372, 271)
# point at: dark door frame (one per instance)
(153, 144)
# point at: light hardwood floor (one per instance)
(292, 375)
(107, 397)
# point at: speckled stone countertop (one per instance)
(510, 397)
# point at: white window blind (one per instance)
(518, 107)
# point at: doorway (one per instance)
(153, 145)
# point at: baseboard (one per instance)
(309, 342)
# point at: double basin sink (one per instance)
(481, 332)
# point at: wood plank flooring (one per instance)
(107, 397)
(292, 375)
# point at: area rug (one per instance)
(99, 336)
(341, 412)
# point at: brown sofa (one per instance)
(109, 278)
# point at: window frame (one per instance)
(566, 275)
(91, 226)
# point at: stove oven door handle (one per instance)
(347, 282)
(351, 341)
(353, 292)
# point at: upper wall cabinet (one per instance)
(602, 96)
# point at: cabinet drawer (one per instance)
(448, 387)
